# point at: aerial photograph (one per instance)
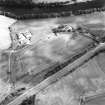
(52, 52)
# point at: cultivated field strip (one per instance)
(52, 11)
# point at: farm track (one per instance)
(86, 99)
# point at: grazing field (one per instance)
(88, 80)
